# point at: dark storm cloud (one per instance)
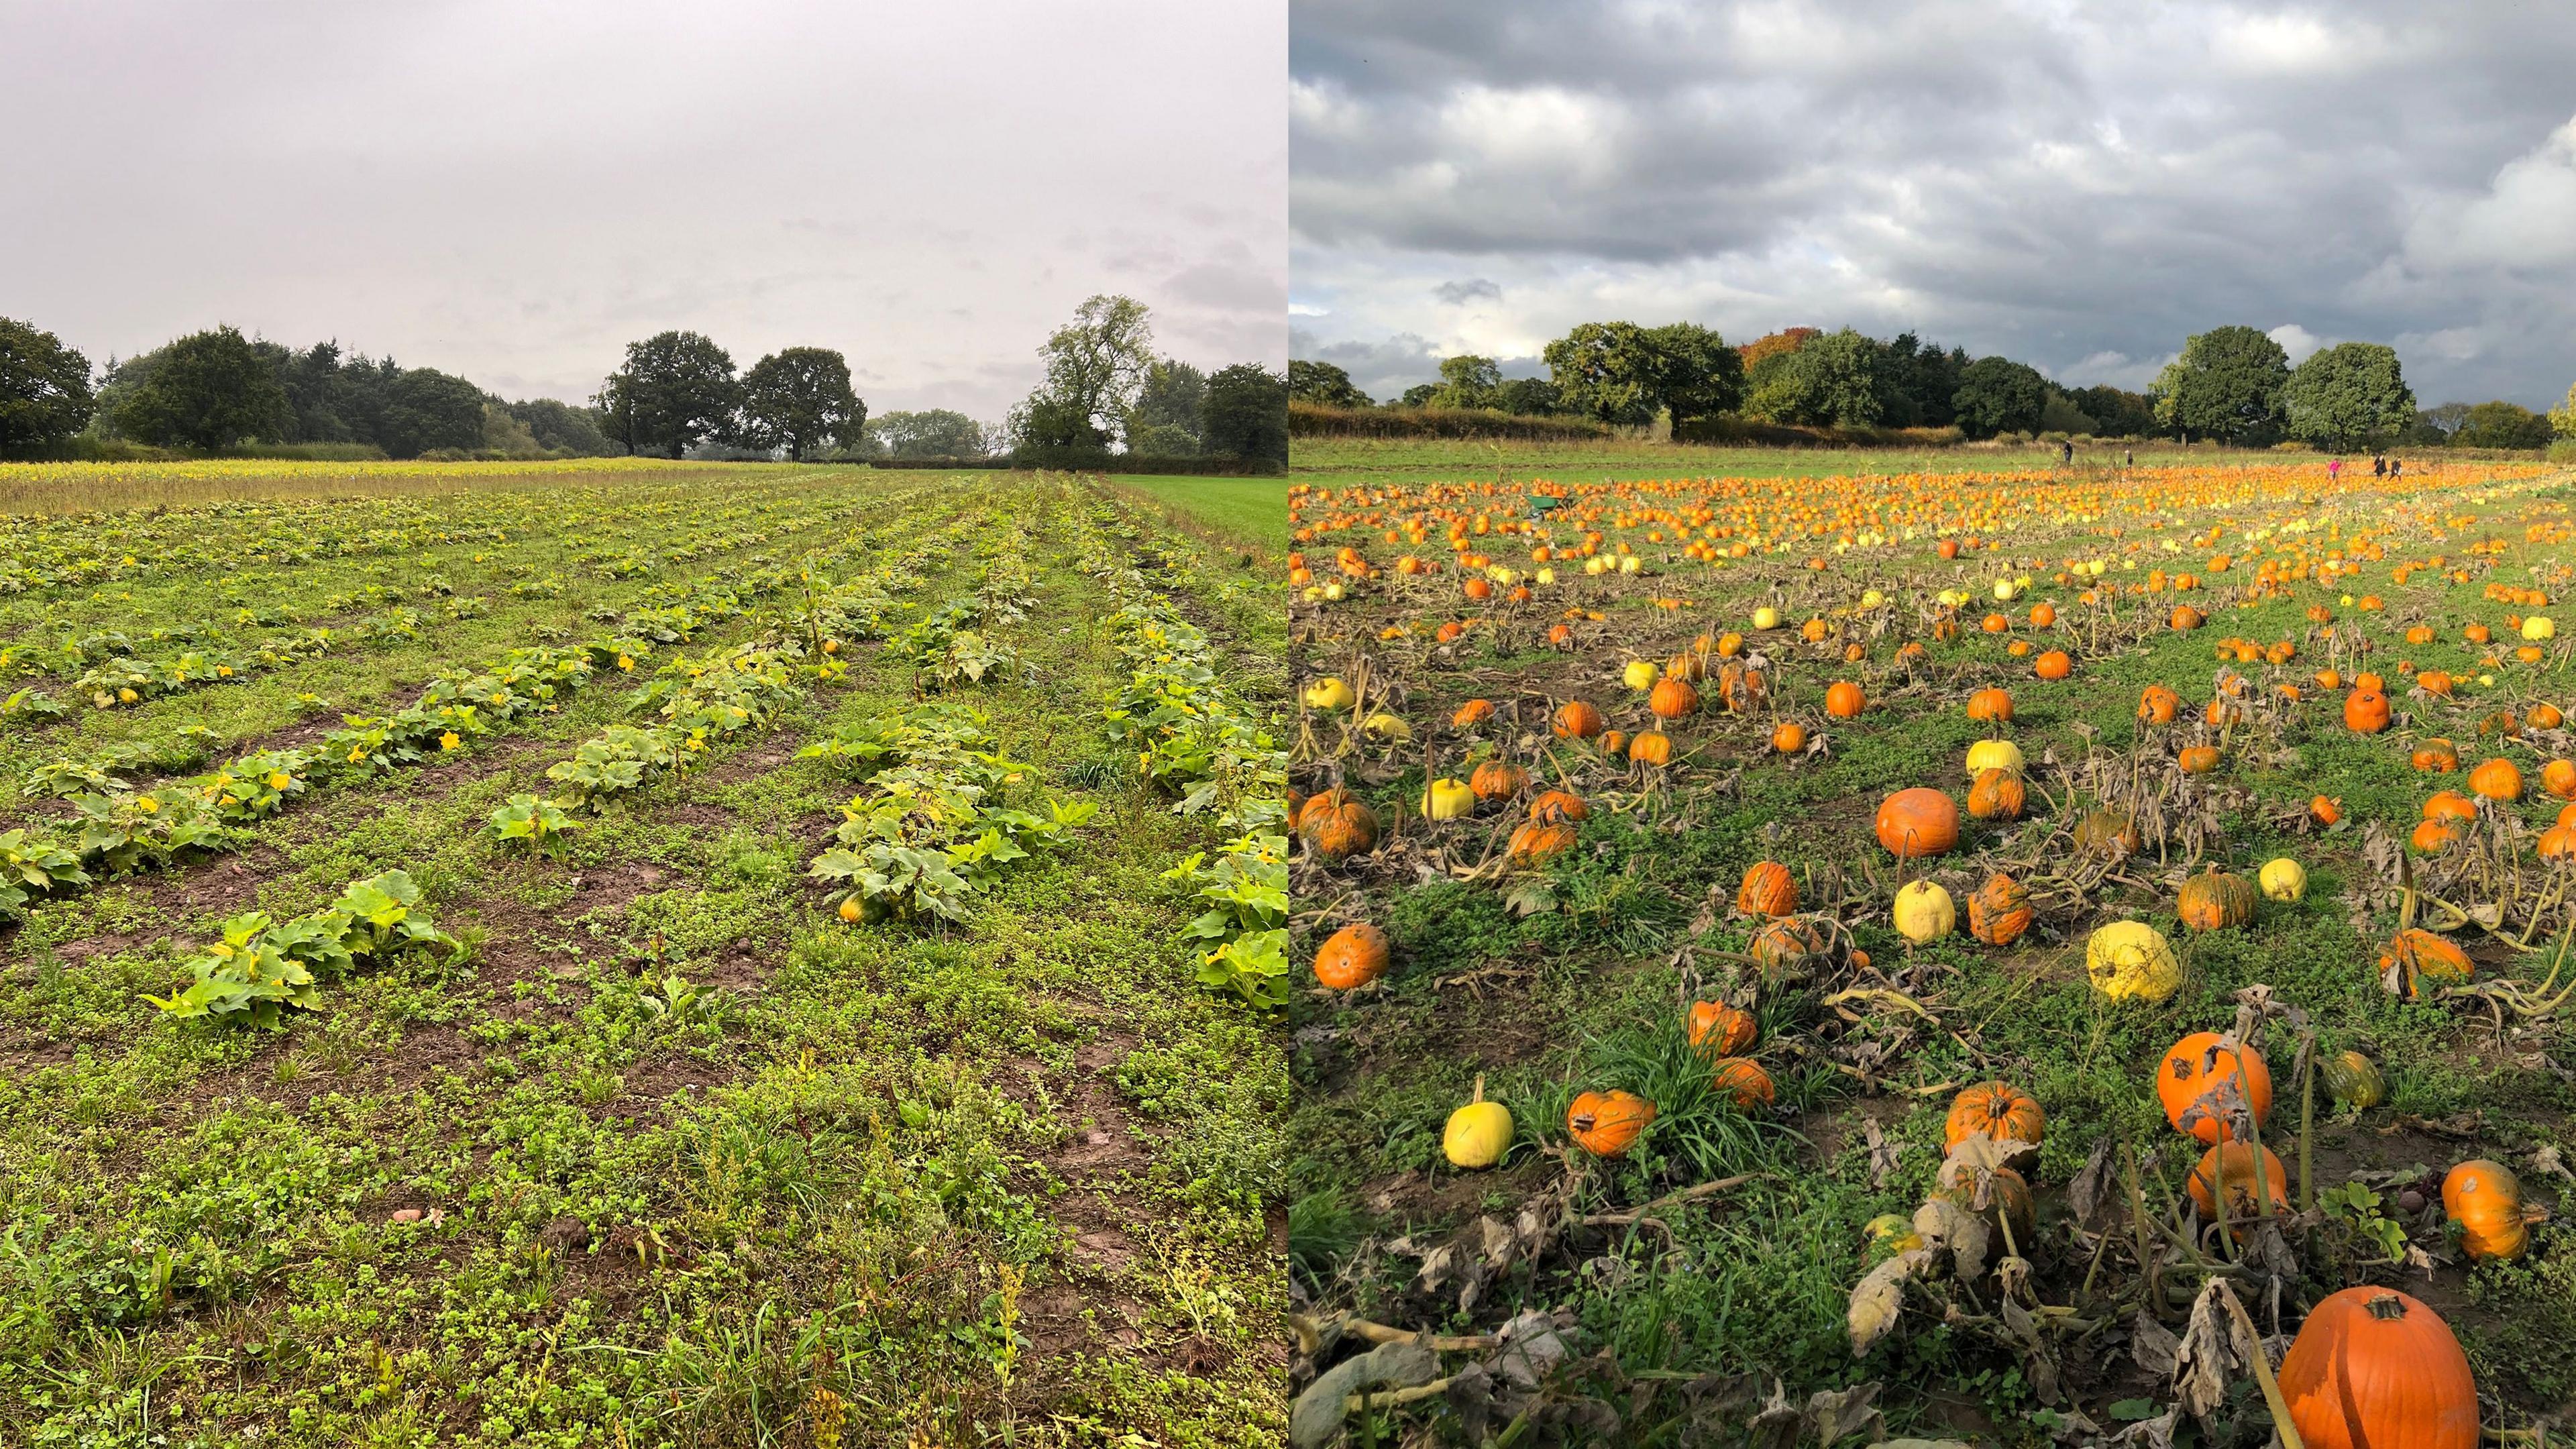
(2077, 185)
(512, 192)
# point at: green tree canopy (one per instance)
(425, 409)
(45, 394)
(206, 390)
(1527, 397)
(1606, 371)
(1165, 421)
(2227, 384)
(800, 399)
(676, 391)
(2502, 425)
(2061, 414)
(1246, 413)
(1095, 367)
(930, 433)
(1325, 383)
(561, 427)
(2116, 412)
(1999, 395)
(1694, 374)
(2347, 395)
(1829, 380)
(1467, 381)
(1917, 380)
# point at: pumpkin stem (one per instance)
(1480, 1088)
(2387, 1307)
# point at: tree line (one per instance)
(675, 394)
(2234, 384)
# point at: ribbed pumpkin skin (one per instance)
(1497, 780)
(1719, 1029)
(1537, 842)
(2418, 956)
(1673, 697)
(2214, 900)
(2365, 711)
(1337, 824)
(1768, 890)
(1997, 795)
(1999, 911)
(2391, 1377)
(1606, 1123)
(1997, 1110)
(2104, 833)
(1555, 806)
(1577, 720)
(2353, 1080)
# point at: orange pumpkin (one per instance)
(2435, 681)
(2450, 805)
(1537, 842)
(1337, 825)
(2497, 779)
(1497, 780)
(1614, 742)
(2233, 1164)
(1743, 1079)
(1673, 697)
(1351, 957)
(1559, 806)
(2200, 1079)
(2185, 616)
(2375, 1369)
(1999, 911)
(2546, 717)
(2323, 810)
(1768, 890)
(2198, 759)
(2158, 705)
(1845, 700)
(2486, 1201)
(1577, 720)
(2434, 756)
(2365, 710)
(1471, 714)
(1651, 747)
(2215, 900)
(1990, 706)
(1997, 1110)
(1917, 822)
(1789, 738)
(2431, 837)
(2054, 665)
(1997, 795)
(2415, 959)
(1606, 1124)
(2043, 615)
(1719, 1029)
(2558, 777)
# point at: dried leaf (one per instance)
(2214, 1351)
(1883, 1152)
(2094, 1189)
(1878, 1300)
(1977, 1157)
(1316, 1416)
(1532, 1348)
(2152, 1345)
(2155, 1433)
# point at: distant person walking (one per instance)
(2379, 465)
(2334, 472)
(2396, 466)
(2066, 453)
(2131, 460)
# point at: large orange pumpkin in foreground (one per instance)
(2196, 1078)
(2375, 1369)
(1917, 822)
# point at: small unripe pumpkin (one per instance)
(2352, 1081)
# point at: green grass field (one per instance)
(665, 1148)
(1252, 511)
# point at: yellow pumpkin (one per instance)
(1449, 800)
(2282, 879)
(1987, 755)
(2132, 961)
(1924, 912)
(1477, 1134)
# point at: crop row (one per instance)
(121, 831)
(1194, 737)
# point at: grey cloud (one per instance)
(2079, 187)
(1459, 294)
(513, 192)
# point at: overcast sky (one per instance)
(2077, 185)
(513, 191)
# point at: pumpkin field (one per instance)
(1983, 952)
(627, 953)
